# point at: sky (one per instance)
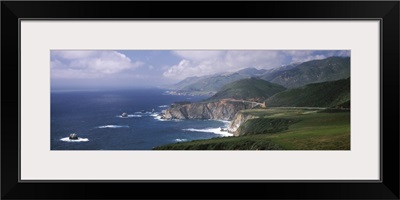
(73, 69)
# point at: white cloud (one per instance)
(198, 55)
(73, 54)
(182, 66)
(308, 58)
(342, 53)
(89, 64)
(200, 63)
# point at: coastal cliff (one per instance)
(238, 120)
(224, 109)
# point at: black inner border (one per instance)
(387, 11)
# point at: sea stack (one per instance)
(73, 136)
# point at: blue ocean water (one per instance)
(95, 116)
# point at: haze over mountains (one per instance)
(290, 76)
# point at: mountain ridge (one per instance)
(290, 76)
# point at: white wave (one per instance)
(180, 140)
(143, 113)
(129, 116)
(66, 139)
(158, 117)
(113, 126)
(163, 106)
(210, 130)
(224, 121)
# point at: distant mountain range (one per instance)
(289, 76)
(315, 71)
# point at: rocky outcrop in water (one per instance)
(73, 136)
(224, 109)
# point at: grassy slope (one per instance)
(248, 88)
(309, 130)
(212, 84)
(320, 131)
(326, 94)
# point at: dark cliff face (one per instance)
(221, 110)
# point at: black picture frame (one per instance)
(386, 11)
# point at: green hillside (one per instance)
(249, 89)
(212, 84)
(315, 71)
(282, 129)
(326, 94)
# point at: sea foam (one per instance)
(158, 117)
(113, 126)
(155, 114)
(66, 139)
(180, 140)
(210, 130)
(129, 116)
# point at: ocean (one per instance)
(95, 116)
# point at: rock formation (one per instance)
(73, 136)
(238, 120)
(224, 109)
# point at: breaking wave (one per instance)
(158, 117)
(129, 116)
(210, 130)
(113, 126)
(143, 113)
(180, 140)
(66, 139)
(154, 114)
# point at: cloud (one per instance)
(73, 54)
(198, 55)
(307, 55)
(199, 63)
(182, 66)
(89, 64)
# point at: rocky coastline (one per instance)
(218, 110)
(225, 109)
